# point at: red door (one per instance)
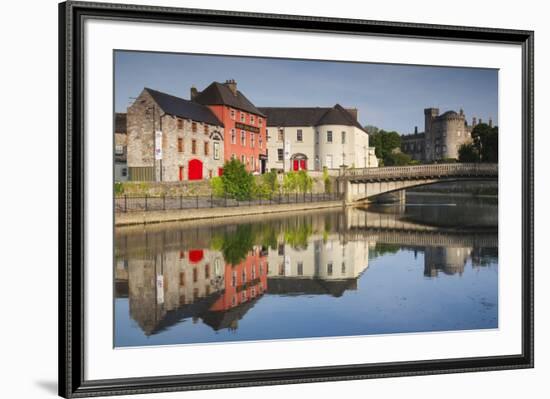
(196, 255)
(220, 171)
(195, 169)
(295, 165)
(303, 164)
(181, 173)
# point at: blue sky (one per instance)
(391, 97)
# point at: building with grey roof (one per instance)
(311, 138)
(172, 139)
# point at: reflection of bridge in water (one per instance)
(184, 272)
(362, 224)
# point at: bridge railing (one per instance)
(417, 171)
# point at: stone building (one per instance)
(310, 138)
(172, 139)
(442, 137)
(121, 140)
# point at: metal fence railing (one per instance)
(132, 203)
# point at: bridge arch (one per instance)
(359, 185)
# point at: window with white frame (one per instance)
(233, 136)
(243, 117)
(252, 140)
(243, 138)
(252, 119)
(329, 136)
(299, 135)
(216, 150)
(280, 154)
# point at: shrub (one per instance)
(216, 184)
(468, 153)
(237, 182)
(326, 180)
(270, 180)
(304, 181)
(290, 182)
(119, 188)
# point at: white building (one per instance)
(315, 137)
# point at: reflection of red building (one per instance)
(244, 125)
(243, 282)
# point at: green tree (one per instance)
(397, 159)
(485, 140)
(385, 143)
(371, 129)
(468, 153)
(237, 182)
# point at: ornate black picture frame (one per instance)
(72, 382)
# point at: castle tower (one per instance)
(429, 115)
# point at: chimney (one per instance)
(353, 112)
(480, 121)
(194, 92)
(416, 130)
(232, 86)
(490, 122)
(474, 121)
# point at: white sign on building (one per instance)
(160, 289)
(287, 265)
(287, 150)
(158, 145)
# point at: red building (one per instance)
(244, 125)
(243, 282)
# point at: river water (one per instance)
(428, 265)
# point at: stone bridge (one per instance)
(362, 184)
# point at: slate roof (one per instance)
(309, 286)
(309, 116)
(293, 116)
(220, 94)
(120, 122)
(184, 108)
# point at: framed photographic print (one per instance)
(251, 199)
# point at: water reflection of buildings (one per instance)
(244, 283)
(168, 287)
(327, 265)
(183, 274)
(448, 260)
